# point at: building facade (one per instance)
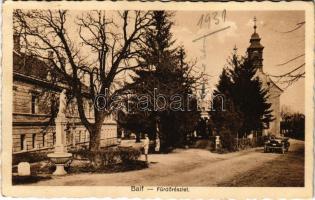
(255, 53)
(33, 122)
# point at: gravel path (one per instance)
(197, 167)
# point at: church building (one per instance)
(255, 52)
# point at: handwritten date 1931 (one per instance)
(211, 18)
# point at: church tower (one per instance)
(255, 50)
(255, 53)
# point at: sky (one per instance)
(213, 51)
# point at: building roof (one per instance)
(29, 66)
(255, 42)
(274, 84)
(32, 67)
(255, 36)
(267, 81)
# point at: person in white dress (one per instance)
(146, 143)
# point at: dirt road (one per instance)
(196, 167)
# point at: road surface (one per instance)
(197, 167)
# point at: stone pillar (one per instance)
(60, 156)
(61, 140)
(24, 169)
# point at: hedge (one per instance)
(30, 157)
(109, 156)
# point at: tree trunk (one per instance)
(95, 141)
(95, 136)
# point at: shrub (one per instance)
(204, 144)
(128, 154)
(227, 140)
(109, 156)
(244, 143)
(30, 157)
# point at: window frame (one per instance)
(34, 103)
(34, 140)
(22, 141)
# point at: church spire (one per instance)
(255, 50)
(235, 49)
(255, 24)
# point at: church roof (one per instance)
(281, 90)
(255, 41)
(255, 36)
(267, 81)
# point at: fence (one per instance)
(244, 143)
(239, 143)
(78, 145)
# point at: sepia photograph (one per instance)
(159, 99)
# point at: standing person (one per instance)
(195, 135)
(157, 139)
(146, 146)
(157, 144)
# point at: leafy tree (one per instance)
(226, 114)
(245, 107)
(293, 125)
(137, 123)
(163, 71)
(249, 96)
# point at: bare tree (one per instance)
(91, 58)
(285, 111)
(291, 76)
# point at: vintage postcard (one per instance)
(158, 100)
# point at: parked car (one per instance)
(280, 144)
